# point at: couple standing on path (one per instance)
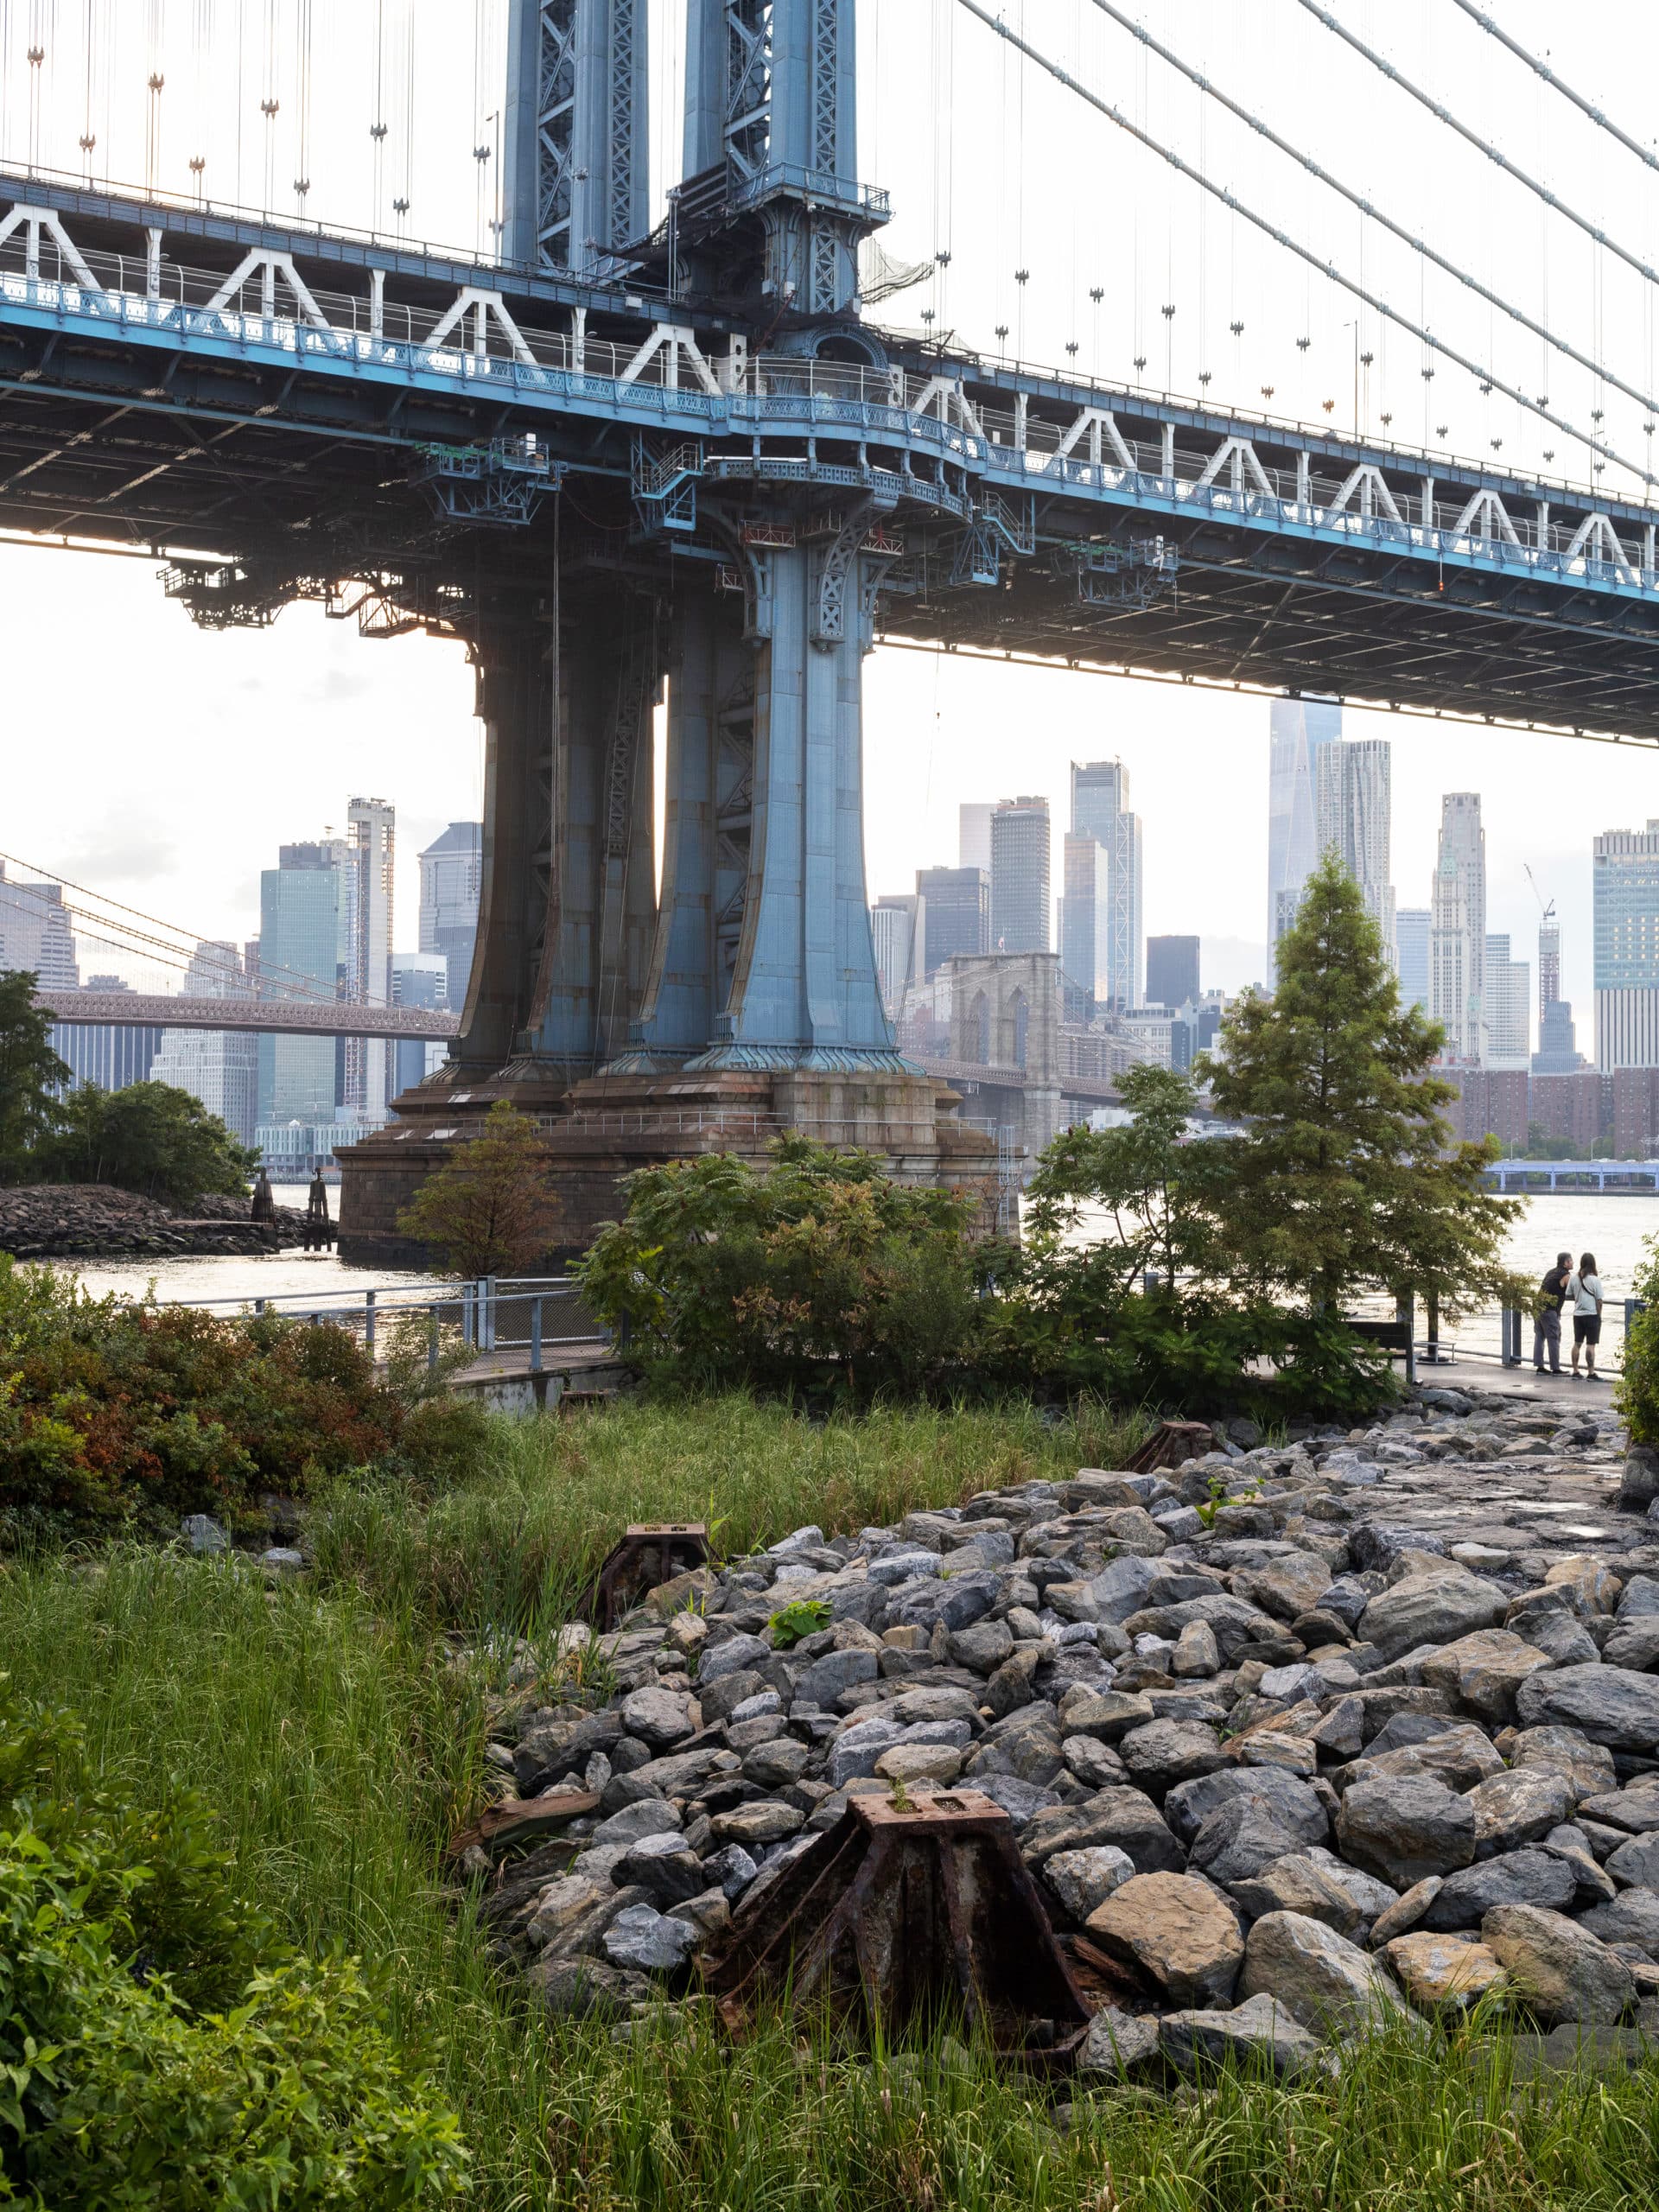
(1582, 1284)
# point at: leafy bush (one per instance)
(818, 1273)
(114, 1414)
(790, 1623)
(1636, 1392)
(489, 1209)
(157, 2047)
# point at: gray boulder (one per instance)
(1165, 1752)
(1612, 1705)
(1239, 1839)
(1083, 1879)
(1260, 2028)
(647, 1941)
(1117, 2041)
(1326, 1983)
(1301, 1884)
(1560, 1969)
(1633, 1918)
(1430, 1608)
(823, 1682)
(1191, 1803)
(1537, 1878)
(1401, 1827)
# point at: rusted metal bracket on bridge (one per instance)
(650, 1553)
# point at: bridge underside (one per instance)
(306, 487)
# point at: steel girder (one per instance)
(574, 188)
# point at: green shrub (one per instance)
(820, 1274)
(115, 1416)
(790, 1623)
(158, 2047)
(1636, 1392)
(150, 1137)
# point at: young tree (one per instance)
(150, 1137)
(488, 1210)
(29, 1074)
(1143, 1194)
(1343, 1181)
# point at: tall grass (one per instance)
(516, 1545)
(341, 1745)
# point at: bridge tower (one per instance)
(745, 996)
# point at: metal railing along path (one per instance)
(539, 1314)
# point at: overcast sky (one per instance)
(162, 765)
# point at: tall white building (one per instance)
(1100, 810)
(1509, 1007)
(1457, 978)
(371, 848)
(974, 834)
(1299, 730)
(893, 931)
(1625, 886)
(220, 1067)
(452, 875)
(1352, 807)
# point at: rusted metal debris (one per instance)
(514, 1820)
(912, 1912)
(651, 1552)
(1170, 1443)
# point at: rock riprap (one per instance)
(82, 1221)
(1380, 1733)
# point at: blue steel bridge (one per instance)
(616, 459)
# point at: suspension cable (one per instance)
(1367, 207)
(1304, 253)
(1509, 168)
(1541, 69)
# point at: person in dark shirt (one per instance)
(1547, 1323)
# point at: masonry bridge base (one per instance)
(599, 1128)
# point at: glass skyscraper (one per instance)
(954, 913)
(302, 955)
(1020, 865)
(1297, 731)
(1352, 808)
(1100, 810)
(1456, 976)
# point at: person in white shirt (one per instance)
(1584, 1295)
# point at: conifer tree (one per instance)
(1344, 1180)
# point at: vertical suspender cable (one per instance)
(1182, 168)
(303, 74)
(378, 128)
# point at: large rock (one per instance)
(1485, 1670)
(1634, 1809)
(1117, 2041)
(1634, 1865)
(1435, 1970)
(1401, 1827)
(1288, 1585)
(823, 1682)
(648, 1940)
(1239, 1839)
(1633, 1918)
(1516, 1807)
(1633, 1644)
(1261, 2028)
(1562, 1971)
(1177, 1932)
(1191, 1803)
(659, 1718)
(1430, 1608)
(1588, 1767)
(1514, 1878)
(1084, 1878)
(1301, 1885)
(1327, 1983)
(737, 1652)
(1166, 1752)
(854, 1751)
(1457, 1756)
(1107, 1715)
(1612, 1705)
(1120, 1588)
(1125, 1819)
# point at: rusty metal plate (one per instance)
(1170, 1443)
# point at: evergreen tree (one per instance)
(30, 1073)
(1345, 1180)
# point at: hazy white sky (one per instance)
(164, 766)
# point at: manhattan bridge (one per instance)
(623, 459)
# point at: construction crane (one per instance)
(1549, 946)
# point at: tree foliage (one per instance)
(30, 1075)
(150, 1137)
(1344, 1181)
(816, 1271)
(490, 1209)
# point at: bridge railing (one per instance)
(541, 1315)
